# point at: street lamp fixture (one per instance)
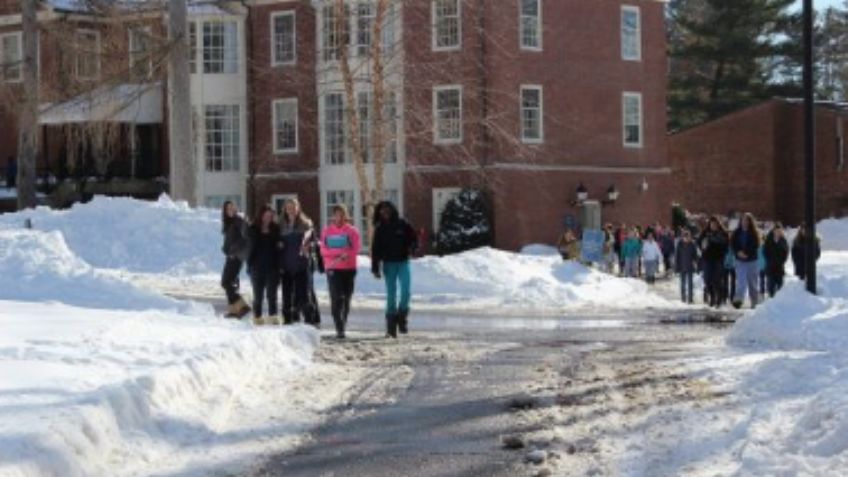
(581, 195)
(643, 186)
(612, 196)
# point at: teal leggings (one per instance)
(395, 272)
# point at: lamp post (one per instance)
(809, 151)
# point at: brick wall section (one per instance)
(753, 161)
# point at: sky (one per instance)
(822, 4)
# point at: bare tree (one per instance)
(28, 112)
(183, 170)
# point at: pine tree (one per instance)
(729, 54)
(465, 223)
(833, 54)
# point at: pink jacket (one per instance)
(339, 242)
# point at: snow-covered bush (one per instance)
(465, 223)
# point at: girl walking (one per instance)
(236, 245)
(713, 246)
(631, 250)
(394, 243)
(340, 243)
(651, 256)
(686, 262)
(776, 252)
(262, 264)
(295, 234)
(745, 243)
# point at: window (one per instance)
(631, 36)
(192, 39)
(220, 47)
(531, 114)
(11, 57)
(446, 25)
(217, 201)
(335, 32)
(336, 197)
(88, 54)
(285, 126)
(222, 138)
(389, 37)
(531, 24)
(441, 197)
(141, 63)
(284, 38)
(447, 112)
(632, 105)
(364, 26)
(334, 129)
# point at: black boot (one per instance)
(403, 322)
(391, 325)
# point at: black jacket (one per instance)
(686, 258)
(798, 256)
(236, 241)
(749, 247)
(394, 241)
(775, 251)
(713, 245)
(263, 249)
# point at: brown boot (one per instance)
(240, 308)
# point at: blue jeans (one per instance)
(747, 277)
(394, 273)
(686, 287)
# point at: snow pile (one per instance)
(91, 392)
(834, 234)
(487, 278)
(794, 379)
(39, 266)
(121, 233)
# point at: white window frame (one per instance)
(434, 28)
(274, 60)
(327, 205)
(624, 97)
(131, 32)
(97, 52)
(540, 89)
(228, 164)
(274, 123)
(328, 54)
(324, 124)
(539, 34)
(437, 214)
(281, 200)
(227, 67)
(436, 138)
(3, 61)
(625, 9)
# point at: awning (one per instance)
(126, 103)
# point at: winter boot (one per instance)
(240, 308)
(340, 326)
(403, 322)
(259, 320)
(737, 304)
(391, 325)
(273, 320)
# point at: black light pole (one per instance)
(809, 151)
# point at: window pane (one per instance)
(446, 23)
(530, 24)
(285, 125)
(364, 26)
(334, 131)
(630, 35)
(222, 138)
(448, 115)
(284, 39)
(11, 58)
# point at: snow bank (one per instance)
(89, 392)
(793, 413)
(489, 279)
(169, 247)
(39, 266)
(139, 236)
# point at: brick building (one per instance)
(526, 99)
(753, 161)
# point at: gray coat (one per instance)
(236, 239)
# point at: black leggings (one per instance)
(264, 286)
(230, 279)
(341, 290)
(294, 295)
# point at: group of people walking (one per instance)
(733, 264)
(285, 252)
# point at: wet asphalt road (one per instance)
(450, 420)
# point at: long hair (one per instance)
(225, 221)
(342, 209)
(299, 217)
(377, 219)
(755, 230)
(257, 219)
(715, 220)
